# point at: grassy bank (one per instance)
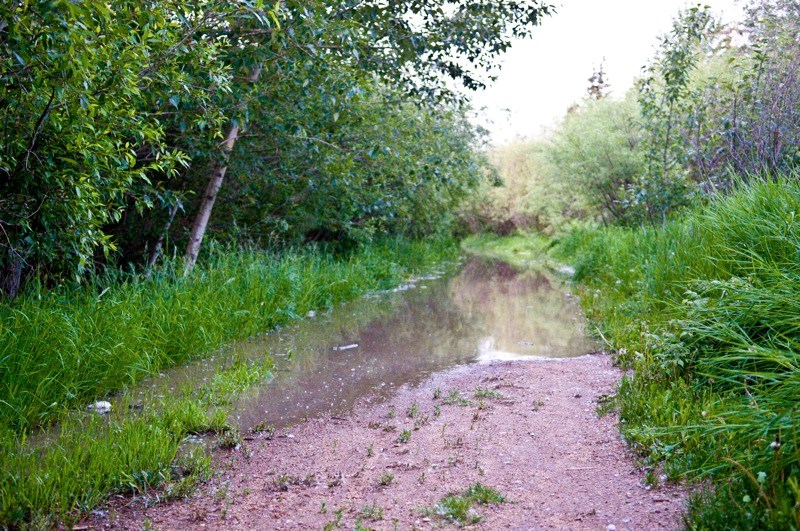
(706, 310)
(520, 250)
(63, 349)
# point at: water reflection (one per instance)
(487, 312)
(520, 314)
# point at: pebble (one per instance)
(101, 407)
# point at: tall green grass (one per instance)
(62, 349)
(54, 479)
(706, 310)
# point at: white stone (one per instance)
(101, 407)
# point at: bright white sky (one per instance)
(543, 76)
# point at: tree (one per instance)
(111, 109)
(663, 98)
(415, 45)
(598, 87)
(597, 150)
(84, 87)
(734, 100)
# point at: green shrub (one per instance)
(705, 311)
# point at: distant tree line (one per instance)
(717, 105)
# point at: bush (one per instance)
(705, 311)
(596, 152)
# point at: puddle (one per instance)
(367, 348)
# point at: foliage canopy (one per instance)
(113, 115)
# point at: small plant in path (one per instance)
(386, 479)
(606, 404)
(457, 507)
(230, 439)
(454, 398)
(333, 524)
(372, 511)
(483, 392)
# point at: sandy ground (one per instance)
(540, 443)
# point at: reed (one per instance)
(705, 310)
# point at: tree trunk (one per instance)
(207, 203)
(214, 184)
(11, 275)
(160, 242)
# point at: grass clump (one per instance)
(705, 311)
(454, 398)
(372, 512)
(484, 392)
(94, 457)
(386, 479)
(520, 250)
(457, 508)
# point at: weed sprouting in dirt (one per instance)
(333, 524)
(405, 436)
(372, 512)
(606, 404)
(454, 398)
(386, 479)
(264, 429)
(359, 526)
(484, 392)
(457, 507)
(230, 439)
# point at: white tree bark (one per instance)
(217, 175)
(207, 203)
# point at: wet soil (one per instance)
(533, 434)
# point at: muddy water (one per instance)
(367, 348)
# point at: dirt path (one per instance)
(539, 443)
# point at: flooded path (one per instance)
(454, 403)
(325, 364)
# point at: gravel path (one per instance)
(532, 433)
